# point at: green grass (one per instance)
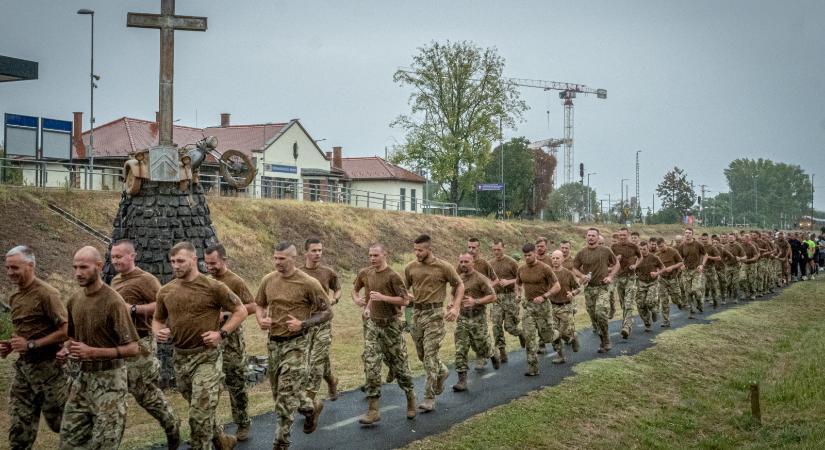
(688, 391)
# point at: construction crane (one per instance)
(567, 92)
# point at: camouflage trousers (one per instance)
(564, 321)
(95, 413)
(471, 332)
(37, 387)
(504, 314)
(597, 301)
(731, 276)
(428, 332)
(626, 293)
(318, 366)
(763, 275)
(199, 377)
(234, 370)
(711, 290)
(143, 374)
(538, 329)
(386, 343)
(647, 300)
(748, 280)
(693, 283)
(287, 370)
(669, 291)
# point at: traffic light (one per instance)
(699, 199)
(581, 170)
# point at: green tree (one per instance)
(458, 104)
(768, 194)
(675, 191)
(518, 178)
(570, 198)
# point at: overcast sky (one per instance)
(694, 84)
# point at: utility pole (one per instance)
(501, 147)
(654, 204)
(622, 193)
(755, 198)
(812, 202)
(587, 192)
(638, 212)
(702, 203)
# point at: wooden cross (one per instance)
(167, 22)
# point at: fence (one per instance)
(74, 176)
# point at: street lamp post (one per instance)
(92, 86)
(589, 206)
(622, 215)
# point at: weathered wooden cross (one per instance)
(160, 157)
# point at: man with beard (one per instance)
(541, 250)
(101, 334)
(188, 310)
(471, 329)
(567, 261)
(138, 289)
(505, 313)
(537, 282)
(289, 304)
(564, 311)
(668, 280)
(426, 279)
(39, 383)
(594, 262)
(234, 346)
(627, 253)
(694, 255)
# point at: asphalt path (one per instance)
(339, 427)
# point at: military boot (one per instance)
(224, 441)
(311, 419)
(332, 385)
(481, 364)
(559, 359)
(372, 414)
(280, 445)
(461, 386)
(574, 343)
(243, 433)
(410, 404)
(496, 362)
(428, 405)
(173, 437)
(307, 403)
(439, 385)
(502, 355)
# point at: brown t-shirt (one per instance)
(137, 287)
(596, 261)
(568, 283)
(567, 263)
(101, 319)
(386, 282)
(298, 295)
(191, 308)
(506, 269)
(476, 286)
(711, 250)
(647, 264)
(764, 248)
(783, 249)
(736, 249)
(36, 311)
(325, 275)
(750, 251)
(692, 254)
(483, 267)
(545, 258)
(428, 279)
(669, 257)
(237, 285)
(536, 280)
(629, 253)
(728, 259)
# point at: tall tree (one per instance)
(459, 101)
(675, 191)
(518, 171)
(766, 193)
(571, 198)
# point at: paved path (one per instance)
(339, 427)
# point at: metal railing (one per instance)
(76, 176)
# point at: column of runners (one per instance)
(79, 359)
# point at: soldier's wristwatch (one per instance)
(133, 309)
(224, 333)
(31, 345)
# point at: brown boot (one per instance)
(502, 355)
(575, 343)
(496, 362)
(559, 359)
(307, 403)
(243, 433)
(372, 414)
(439, 385)
(311, 421)
(461, 386)
(224, 441)
(279, 445)
(410, 404)
(428, 405)
(173, 437)
(332, 385)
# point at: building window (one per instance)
(331, 191)
(314, 190)
(281, 188)
(403, 206)
(413, 200)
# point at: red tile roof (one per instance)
(372, 168)
(126, 135)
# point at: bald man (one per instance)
(101, 335)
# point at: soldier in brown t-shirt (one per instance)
(101, 334)
(627, 253)
(669, 289)
(426, 279)
(290, 303)
(139, 289)
(505, 313)
(537, 282)
(39, 323)
(384, 296)
(541, 250)
(567, 262)
(471, 330)
(320, 337)
(750, 260)
(647, 270)
(234, 346)
(564, 312)
(733, 269)
(712, 290)
(484, 268)
(694, 256)
(188, 310)
(597, 265)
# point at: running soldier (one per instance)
(648, 268)
(567, 262)
(720, 242)
(593, 263)
(750, 260)
(234, 346)
(564, 312)
(426, 278)
(783, 254)
(537, 282)
(712, 257)
(320, 337)
(188, 312)
(139, 289)
(669, 280)
(100, 334)
(505, 310)
(471, 329)
(627, 253)
(484, 268)
(541, 250)
(289, 304)
(694, 256)
(39, 323)
(733, 268)
(383, 298)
